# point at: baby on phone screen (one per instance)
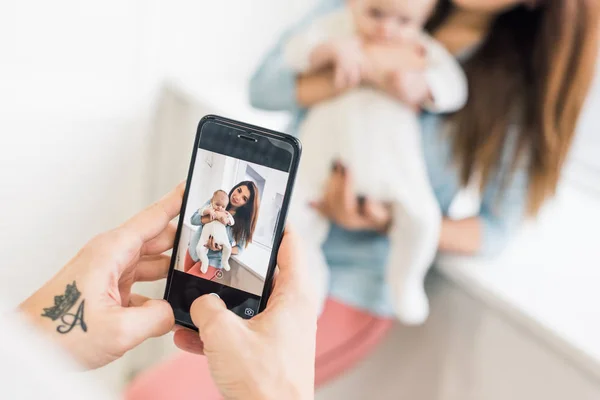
(216, 229)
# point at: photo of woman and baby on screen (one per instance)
(230, 221)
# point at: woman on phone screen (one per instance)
(244, 204)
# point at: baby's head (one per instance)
(220, 200)
(391, 20)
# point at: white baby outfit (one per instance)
(219, 233)
(378, 139)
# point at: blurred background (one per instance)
(98, 107)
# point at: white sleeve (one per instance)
(231, 220)
(446, 79)
(204, 209)
(34, 367)
(297, 50)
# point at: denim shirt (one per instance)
(214, 257)
(357, 259)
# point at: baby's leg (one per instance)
(415, 234)
(202, 250)
(225, 256)
(321, 137)
(413, 242)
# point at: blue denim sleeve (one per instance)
(196, 217)
(241, 245)
(503, 208)
(273, 85)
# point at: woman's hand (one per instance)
(211, 245)
(270, 356)
(88, 307)
(341, 205)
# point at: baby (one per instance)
(216, 229)
(377, 137)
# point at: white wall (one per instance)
(77, 86)
(223, 39)
(76, 92)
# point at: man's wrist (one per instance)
(287, 391)
(58, 311)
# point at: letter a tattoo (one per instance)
(62, 305)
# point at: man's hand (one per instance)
(88, 307)
(270, 356)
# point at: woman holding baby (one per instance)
(529, 65)
(242, 207)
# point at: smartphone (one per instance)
(232, 218)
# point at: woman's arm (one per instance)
(461, 236)
(198, 219)
(275, 86)
(238, 249)
(315, 88)
(502, 212)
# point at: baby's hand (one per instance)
(224, 218)
(410, 87)
(348, 62)
(212, 214)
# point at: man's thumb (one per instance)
(209, 312)
(151, 319)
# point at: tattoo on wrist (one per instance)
(60, 311)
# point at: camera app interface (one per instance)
(228, 232)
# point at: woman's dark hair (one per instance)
(247, 215)
(533, 69)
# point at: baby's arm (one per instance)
(208, 210)
(447, 83)
(313, 48)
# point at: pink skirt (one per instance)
(345, 336)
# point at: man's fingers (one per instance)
(210, 314)
(154, 219)
(293, 287)
(162, 242)
(188, 340)
(152, 268)
(145, 319)
(137, 300)
(292, 274)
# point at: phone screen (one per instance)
(232, 217)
